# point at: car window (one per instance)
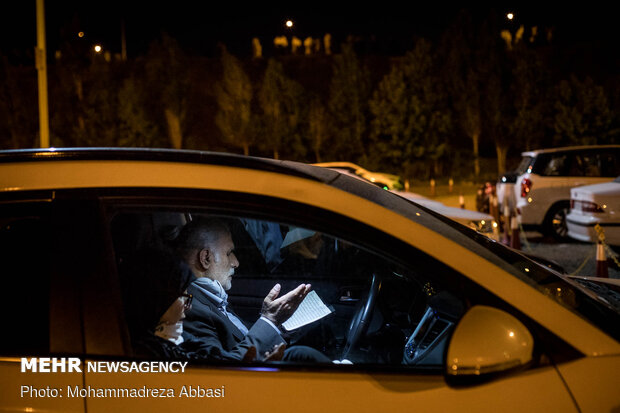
(579, 163)
(524, 164)
(557, 165)
(585, 164)
(25, 246)
(378, 311)
(609, 163)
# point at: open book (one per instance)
(310, 310)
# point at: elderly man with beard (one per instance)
(207, 247)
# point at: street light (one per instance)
(289, 23)
(510, 16)
(97, 48)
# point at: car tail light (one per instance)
(585, 206)
(526, 187)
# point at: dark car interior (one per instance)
(380, 312)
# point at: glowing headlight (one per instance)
(483, 226)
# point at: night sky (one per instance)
(199, 26)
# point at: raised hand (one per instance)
(278, 310)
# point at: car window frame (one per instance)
(113, 200)
(65, 312)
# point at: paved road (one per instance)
(576, 257)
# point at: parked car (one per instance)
(593, 205)
(389, 181)
(482, 222)
(479, 221)
(505, 189)
(432, 315)
(546, 176)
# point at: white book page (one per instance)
(311, 309)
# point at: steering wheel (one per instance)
(361, 319)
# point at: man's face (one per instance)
(222, 260)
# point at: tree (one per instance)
(135, 126)
(17, 106)
(234, 100)
(318, 126)
(528, 90)
(496, 103)
(410, 120)
(348, 105)
(166, 67)
(100, 105)
(463, 75)
(280, 102)
(582, 113)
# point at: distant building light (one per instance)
(510, 16)
(97, 48)
(289, 23)
(80, 34)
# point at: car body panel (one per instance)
(63, 174)
(583, 384)
(13, 400)
(363, 388)
(581, 224)
(342, 391)
(547, 190)
(534, 207)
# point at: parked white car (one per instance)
(546, 176)
(592, 205)
(479, 221)
(382, 179)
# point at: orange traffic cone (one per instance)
(515, 239)
(601, 261)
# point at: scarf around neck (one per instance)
(216, 293)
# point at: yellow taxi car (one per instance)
(425, 314)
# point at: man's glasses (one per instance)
(188, 300)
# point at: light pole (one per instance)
(41, 65)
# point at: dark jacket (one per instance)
(221, 338)
(152, 346)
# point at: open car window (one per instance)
(376, 311)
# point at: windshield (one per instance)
(524, 164)
(568, 293)
(598, 303)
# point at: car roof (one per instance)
(567, 149)
(167, 155)
(307, 171)
(338, 164)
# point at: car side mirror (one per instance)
(488, 340)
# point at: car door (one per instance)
(398, 355)
(39, 303)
